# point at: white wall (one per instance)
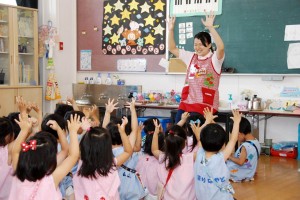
(279, 128)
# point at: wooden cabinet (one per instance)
(19, 45)
(8, 98)
(18, 57)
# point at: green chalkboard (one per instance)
(253, 34)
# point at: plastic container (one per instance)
(165, 122)
(288, 153)
(108, 80)
(98, 79)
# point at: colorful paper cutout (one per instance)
(134, 27)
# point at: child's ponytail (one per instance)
(174, 143)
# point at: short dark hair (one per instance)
(60, 121)
(114, 133)
(195, 118)
(6, 129)
(245, 126)
(174, 143)
(149, 124)
(33, 165)
(148, 143)
(68, 116)
(16, 128)
(61, 109)
(212, 137)
(204, 37)
(96, 153)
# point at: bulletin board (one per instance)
(108, 31)
(253, 33)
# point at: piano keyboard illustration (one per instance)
(183, 8)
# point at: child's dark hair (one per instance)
(149, 125)
(6, 131)
(212, 137)
(96, 153)
(195, 119)
(174, 143)
(61, 109)
(114, 133)
(148, 143)
(60, 121)
(118, 120)
(16, 128)
(33, 165)
(205, 38)
(149, 128)
(245, 126)
(68, 116)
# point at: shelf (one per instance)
(3, 21)
(4, 52)
(26, 54)
(3, 36)
(29, 37)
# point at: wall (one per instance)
(279, 128)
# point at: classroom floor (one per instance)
(277, 178)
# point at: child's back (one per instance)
(6, 170)
(97, 176)
(147, 164)
(243, 164)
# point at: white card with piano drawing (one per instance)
(184, 8)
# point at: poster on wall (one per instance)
(85, 59)
(134, 27)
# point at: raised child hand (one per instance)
(53, 125)
(85, 124)
(185, 115)
(237, 116)
(24, 123)
(157, 126)
(121, 127)
(74, 123)
(110, 106)
(208, 115)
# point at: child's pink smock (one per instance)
(104, 187)
(6, 172)
(42, 189)
(181, 184)
(147, 168)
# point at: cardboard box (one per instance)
(177, 65)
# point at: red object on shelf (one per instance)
(288, 153)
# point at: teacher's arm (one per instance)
(172, 45)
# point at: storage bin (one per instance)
(165, 122)
(288, 153)
(299, 142)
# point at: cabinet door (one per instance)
(6, 39)
(7, 101)
(25, 46)
(32, 94)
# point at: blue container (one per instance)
(165, 121)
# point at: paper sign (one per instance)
(293, 57)
(85, 59)
(292, 33)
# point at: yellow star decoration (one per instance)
(159, 30)
(133, 5)
(107, 8)
(125, 14)
(145, 8)
(114, 39)
(159, 5)
(149, 20)
(149, 39)
(107, 30)
(119, 5)
(115, 20)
